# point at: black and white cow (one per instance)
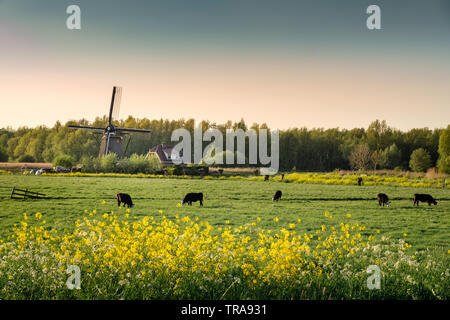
(277, 196)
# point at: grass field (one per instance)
(324, 238)
(238, 201)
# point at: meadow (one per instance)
(328, 233)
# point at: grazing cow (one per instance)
(419, 197)
(277, 196)
(266, 177)
(359, 181)
(193, 197)
(125, 199)
(383, 199)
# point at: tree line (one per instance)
(377, 147)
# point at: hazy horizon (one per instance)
(297, 64)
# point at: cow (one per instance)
(193, 197)
(383, 199)
(359, 181)
(277, 196)
(419, 197)
(125, 199)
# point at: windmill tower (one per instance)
(112, 136)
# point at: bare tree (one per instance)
(361, 157)
(378, 157)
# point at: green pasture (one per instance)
(239, 201)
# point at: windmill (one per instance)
(112, 136)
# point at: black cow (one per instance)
(419, 197)
(193, 197)
(383, 199)
(125, 199)
(277, 196)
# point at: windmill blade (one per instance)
(115, 103)
(133, 130)
(88, 128)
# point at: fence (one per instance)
(25, 194)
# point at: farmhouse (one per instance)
(164, 153)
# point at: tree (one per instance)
(444, 150)
(3, 156)
(361, 157)
(420, 160)
(26, 158)
(379, 134)
(378, 158)
(392, 157)
(64, 160)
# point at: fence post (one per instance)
(12, 193)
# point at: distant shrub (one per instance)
(108, 163)
(139, 164)
(89, 164)
(64, 161)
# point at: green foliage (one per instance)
(444, 151)
(109, 163)
(392, 157)
(64, 161)
(112, 164)
(420, 160)
(140, 164)
(89, 164)
(26, 158)
(305, 149)
(3, 155)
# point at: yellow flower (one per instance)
(349, 215)
(178, 204)
(299, 220)
(103, 202)
(160, 211)
(404, 234)
(38, 215)
(291, 225)
(276, 219)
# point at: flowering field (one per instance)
(183, 258)
(332, 178)
(316, 243)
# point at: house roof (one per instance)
(161, 151)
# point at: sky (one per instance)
(285, 63)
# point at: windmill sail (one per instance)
(115, 104)
(112, 136)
